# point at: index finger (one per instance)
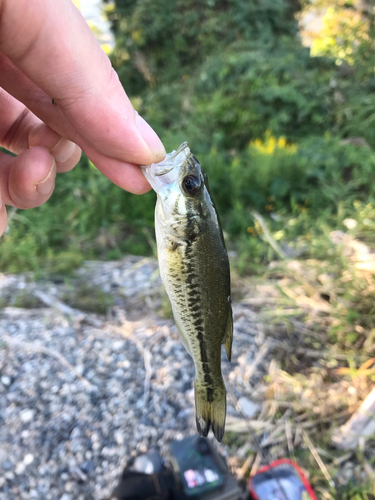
(59, 53)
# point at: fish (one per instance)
(194, 268)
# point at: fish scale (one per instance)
(195, 271)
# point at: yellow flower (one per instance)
(271, 144)
(137, 36)
(258, 227)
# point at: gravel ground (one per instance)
(80, 393)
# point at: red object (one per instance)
(274, 465)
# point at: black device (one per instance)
(197, 472)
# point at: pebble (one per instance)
(20, 468)
(5, 380)
(29, 459)
(27, 416)
(248, 408)
(64, 438)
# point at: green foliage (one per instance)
(221, 74)
(168, 39)
(346, 34)
(355, 111)
(87, 217)
(25, 300)
(356, 492)
(320, 176)
(85, 297)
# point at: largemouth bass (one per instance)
(194, 268)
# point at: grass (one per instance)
(85, 297)
(309, 189)
(25, 300)
(321, 325)
(87, 217)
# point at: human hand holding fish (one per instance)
(194, 267)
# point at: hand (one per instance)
(47, 51)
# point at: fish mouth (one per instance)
(183, 146)
(173, 159)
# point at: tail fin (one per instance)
(211, 408)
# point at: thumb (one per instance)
(67, 63)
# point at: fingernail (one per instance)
(150, 137)
(47, 184)
(63, 150)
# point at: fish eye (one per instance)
(191, 184)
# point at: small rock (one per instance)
(27, 416)
(9, 475)
(20, 468)
(28, 459)
(119, 437)
(5, 380)
(248, 408)
(7, 465)
(69, 486)
(76, 432)
(80, 369)
(96, 446)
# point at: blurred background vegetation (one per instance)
(282, 128)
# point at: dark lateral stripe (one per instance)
(210, 394)
(194, 305)
(204, 356)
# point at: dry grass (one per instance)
(318, 325)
